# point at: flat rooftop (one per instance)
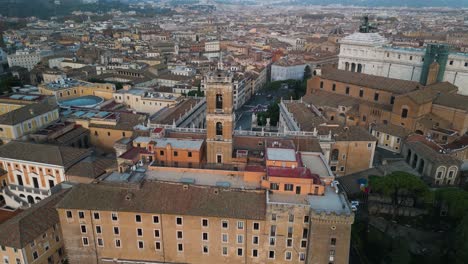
(281, 154)
(316, 164)
(331, 202)
(201, 177)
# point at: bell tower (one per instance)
(220, 116)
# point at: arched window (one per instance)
(219, 129)
(452, 172)
(404, 113)
(346, 66)
(219, 101)
(440, 173)
(359, 67)
(353, 67)
(335, 154)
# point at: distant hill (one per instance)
(48, 8)
(387, 3)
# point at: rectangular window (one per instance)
(255, 240)
(155, 219)
(347, 90)
(141, 244)
(305, 232)
(256, 226)
(176, 153)
(139, 232)
(179, 221)
(289, 242)
(240, 225)
(288, 255)
(205, 249)
(321, 85)
(100, 242)
(157, 245)
(225, 251)
(240, 252)
(205, 236)
(376, 97)
(272, 241)
(85, 241)
(255, 253)
(180, 247)
(271, 254)
(333, 241)
(81, 215)
(288, 187)
(161, 152)
(189, 154)
(274, 186)
(273, 230)
(333, 87)
(240, 239)
(291, 218)
(138, 218)
(69, 214)
(98, 230)
(273, 217)
(306, 219)
(224, 224)
(224, 238)
(83, 229)
(35, 255)
(290, 231)
(361, 93)
(205, 222)
(114, 216)
(180, 235)
(303, 243)
(116, 230)
(302, 256)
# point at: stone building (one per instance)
(34, 235)
(174, 222)
(371, 53)
(360, 99)
(431, 162)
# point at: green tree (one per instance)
(400, 187)
(460, 245)
(455, 199)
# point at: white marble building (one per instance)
(373, 54)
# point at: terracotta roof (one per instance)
(304, 116)
(92, 167)
(371, 81)
(430, 150)
(25, 113)
(457, 101)
(173, 113)
(23, 228)
(168, 198)
(391, 129)
(43, 153)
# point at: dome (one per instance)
(365, 39)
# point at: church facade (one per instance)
(371, 53)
